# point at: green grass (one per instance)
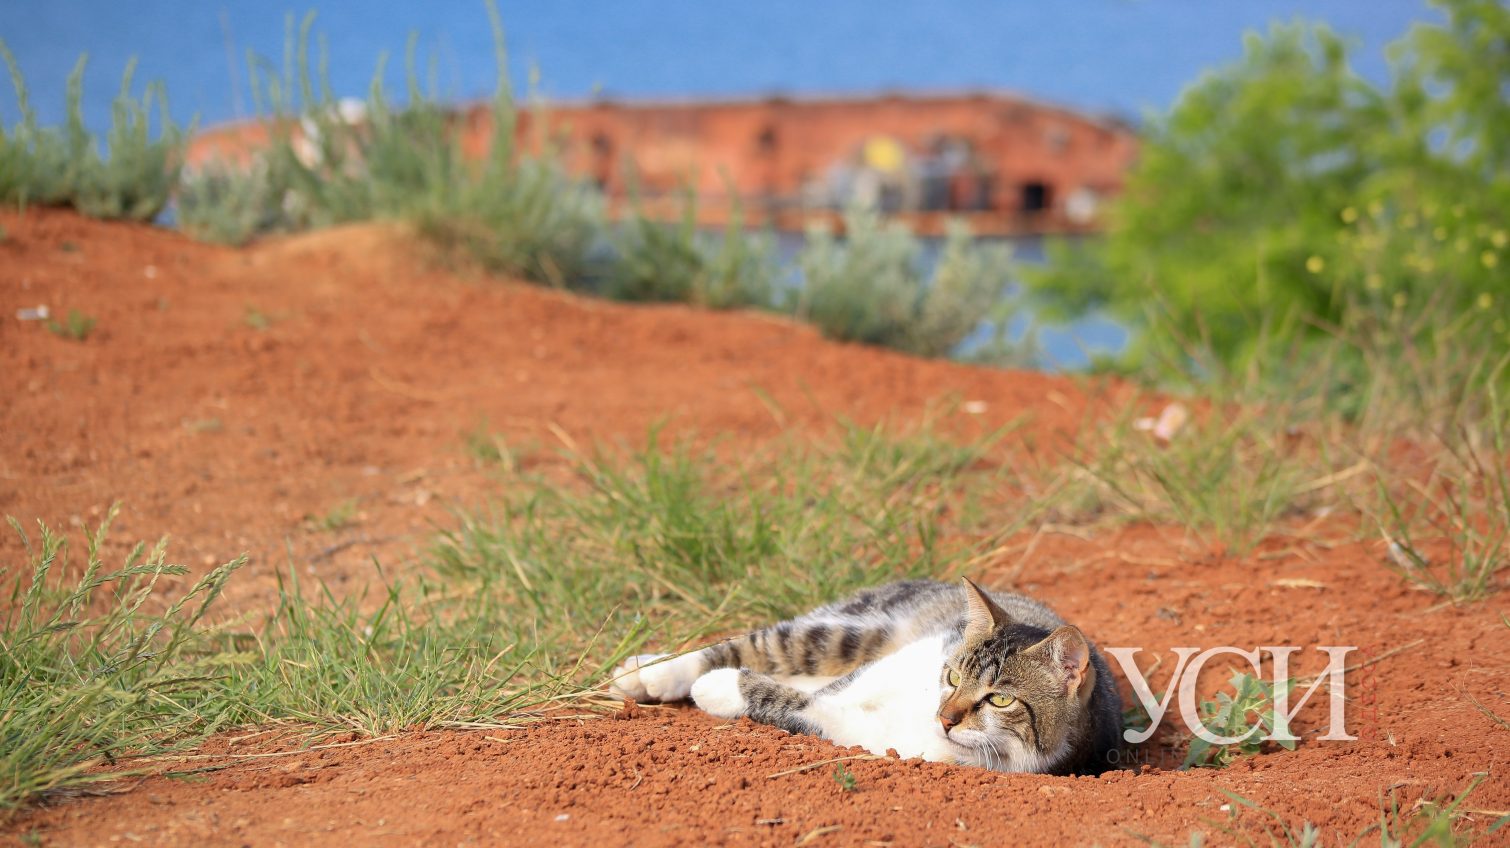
(685, 543)
(512, 214)
(1229, 477)
(1461, 509)
(90, 674)
(76, 327)
(335, 518)
(257, 319)
(520, 610)
(1401, 444)
(1431, 822)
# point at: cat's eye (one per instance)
(953, 677)
(1001, 701)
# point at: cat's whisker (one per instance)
(1002, 757)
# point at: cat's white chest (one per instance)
(893, 703)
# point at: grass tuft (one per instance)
(89, 674)
(1461, 510)
(77, 326)
(678, 538)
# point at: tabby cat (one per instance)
(943, 672)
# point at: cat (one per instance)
(943, 672)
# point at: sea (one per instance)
(1128, 58)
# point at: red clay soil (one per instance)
(373, 364)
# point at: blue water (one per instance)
(1123, 57)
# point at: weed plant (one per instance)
(76, 327)
(62, 166)
(1246, 714)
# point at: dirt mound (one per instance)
(225, 395)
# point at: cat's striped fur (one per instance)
(918, 666)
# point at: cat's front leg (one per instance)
(657, 678)
(735, 692)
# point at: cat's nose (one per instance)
(948, 720)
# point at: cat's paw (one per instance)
(652, 678)
(717, 693)
(671, 680)
(625, 680)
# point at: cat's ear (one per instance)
(1068, 656)
(982, 615)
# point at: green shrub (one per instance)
(230, 205)
(1283, 194)
(870, 287)
(526, 218)
(62, 166)
(676, 262)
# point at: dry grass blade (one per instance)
(821, 763)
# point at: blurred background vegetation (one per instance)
(1285, 199)
(1283, 202)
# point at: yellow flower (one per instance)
(1489, 259)
(1485, 301)
(1315, 264)
(1440, 234)
(1373, 281)
(1500, 238)
(1375, 208)
(1349, 215)
(1408, 220)
(1399, 299)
